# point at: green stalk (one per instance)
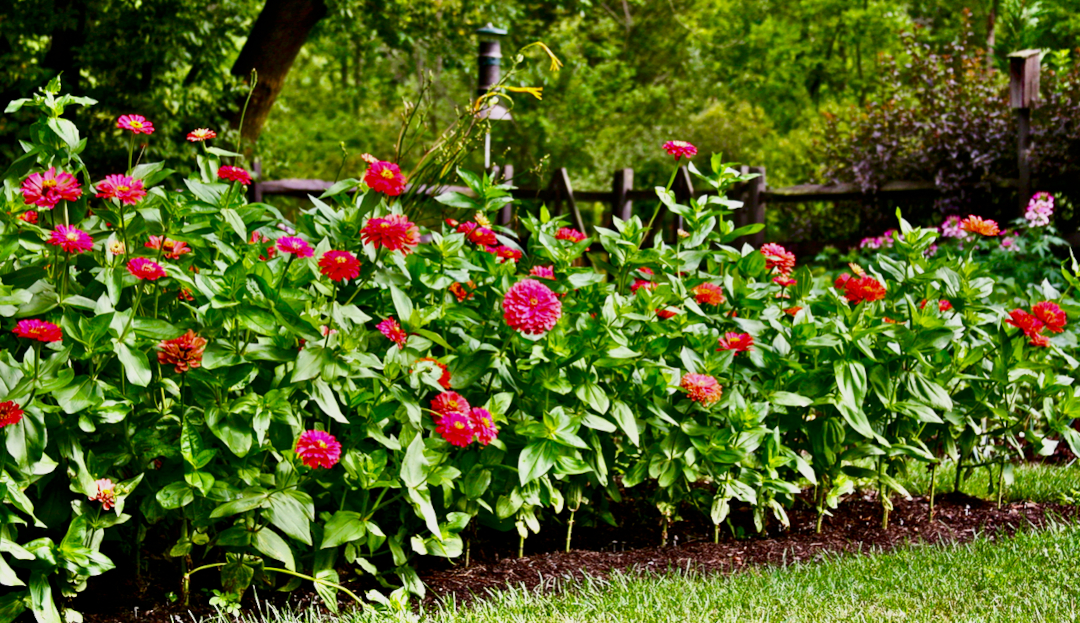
(933, 474)
(570, 529)
(243, 113)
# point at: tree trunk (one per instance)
(276, 38)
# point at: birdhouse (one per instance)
(1023, 78)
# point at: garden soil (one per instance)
(599, 550)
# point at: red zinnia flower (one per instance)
(478, 234)
(143, 268)
(185, 295)
(980, 226)
(702, 388)
(484, 424)
(708, 294)
(295, 246)
(778, 258)
(47, 189)
(793, 310)
(106, 493)
(171, 249)
(136, 123)
(530, 307)
(664, 313)
(1051, 315)
(339, 265)
(456, 428)
(570, 234)
(234, 174)
(38, 330)
(201, 134)
(944, 305)
(459, 291)
(444, 378)
(386, 178)
(1039, 340)
(71, 239)
(784, 281)
(393, 332)
(841, 281)
(1024, 321)
(183, 353)
(262, 239)
(506, 253)
(680, 149)
(10, 413)
(318, 449)
(30, 216)
(395, 232)
(127, 190)
(859, 289)
(450, 402)
(738, 342)
(543, 272)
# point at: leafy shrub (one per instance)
(278, 399)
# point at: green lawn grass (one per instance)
(1035, 482)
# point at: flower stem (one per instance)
(285, 273)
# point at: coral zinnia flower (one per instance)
(1024, 321)
(784, 281)
(531, 307)
(484, 424)
(318, 449)
(1039, 339)
(201, 134)
(459, 291)
(738, 342)
(504, 253)
(543, 272)
(859, 289)
(71, 239)
(664, 313)
(456, 428)
(778, 258)
(136, 123)
(702, 388)
(1051, 315)
(183, 353)
(680, 149)
(10, 413)
(392, 330)
(127, 189)
(234, 174)
(450, 402)
(791, 311)
(570, 234)
(979, 226)
(394, 232)
(30, 216)
(172, 250)
(38, 330)
(143, 268)
(444, 378)
(708, 294)
(106, 493)
(295, 246)
(339, 265)
(47, 189)
(386, 178)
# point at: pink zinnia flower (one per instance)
(456, 428)
(394, 232)
(1051, 315)
(339, 265)
(708, 294)
(47, 189)
(702, 388)
(294, 246)
(484, 424)
(784, 281)
(38, 330)
(10, 413)
(778, 258)
(738, 342)
(450, 402)
(201, 134)
(393, 332)
(570, 234)
(386, 178)
(106, 493)
(530, 307)
(680, 149)
(127, 190)
(136, 123)
(234, 174)
(143, 268)
(170, 249)
(543, 272)
(71, 239)
(318, 449)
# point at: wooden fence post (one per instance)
(1023, 92)
(621, 185)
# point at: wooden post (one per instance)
(1023, 93)
(621, 185)
(506, 213)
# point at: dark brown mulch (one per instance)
(855, 527)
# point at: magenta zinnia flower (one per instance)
(393, 331)
(339, 265)
(530, 307)
(143, 268)
(318, 449)
(10, 413)
(45, 190)
(701, 388)
(38, 330)
(680, 149)
(484, 424)
(738, 342)
(394, 232)
(234, 174)
(386, 178)
(71, 239)
(543, 272)
(456, 428)
(136, 123)
(127, 189)
(295, 246)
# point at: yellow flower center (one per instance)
(122, 189)
(486, 421)
(135, 124)
(534, 302)
(321, 444)
(48, 183)
(453, 404)
(387, 174)
(341, 260)
(459, 425)
(679, 143)
(384, 225)
(72, 236)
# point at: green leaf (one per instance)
(929, 392)
(291, 515)
(253, 498)
(175, 495)
(271, 544)
(343, 527)
(625, 417)
(66, 130)
(592, 395)
(402, 304)
(413, 472)
(234, 221)
(324, 397)
(136, 365)
(788, 399)
(41, 598)
(536, 459)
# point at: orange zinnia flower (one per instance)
(980, 226)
